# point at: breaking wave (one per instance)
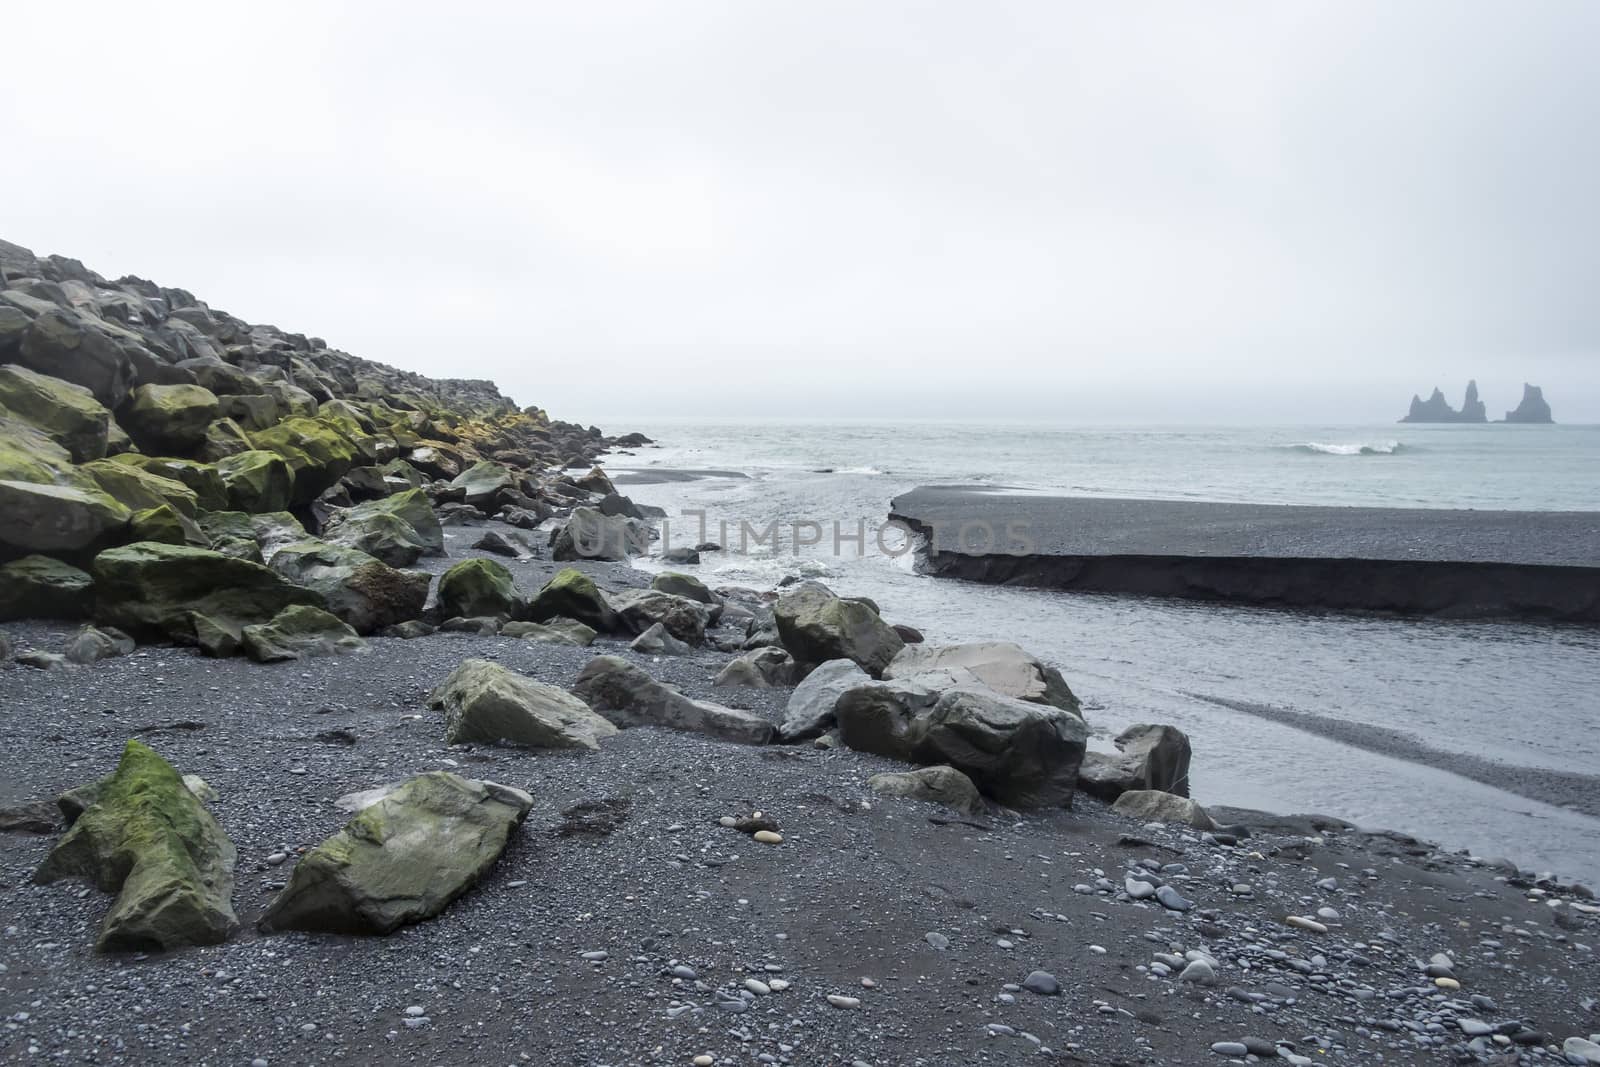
(1371, 448)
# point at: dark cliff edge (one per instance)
(1230, 553)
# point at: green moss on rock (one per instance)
(154, 590)
(68, 413)
(38, 587)
(168, 418)
(257, 481)
(477, 587)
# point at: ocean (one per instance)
(1289, 712)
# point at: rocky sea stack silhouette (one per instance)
(1533, 408)
(1437, 409)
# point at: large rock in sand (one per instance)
(683, 618)
(155, 590)
(38, 587)
(364, 592)
(476, 587)
(627, 696)
(810, 709)
(937, 785)
(485, 702)
(1002, 666)
(398, 529)
(1150, 757)
(572, 594)
(150, 840)
(402, 859)
(296, 632)
(589, 534)
(1152, 805)
(816, 626)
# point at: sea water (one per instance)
(1522, 696)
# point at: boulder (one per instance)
(68, 413)
(555, 632)
(40, 517)
(595, 482)
(201, 479)
(483, 483)
(402, 858)
(640, 609)
(1152, 805)
(398, 529)
(498, 543)
(572, 594)
(816, 626)
(810, 711)
(224, 438)
(364, 592)
(165, 524)
(256, 481)
(138, 489)
(684, 585)
(81, 349)
(274, 530)
(627, 696)
(317, 453)
(478, 587)
(1024, 755)
(296, 632)
(1002, 666)
(1150, 758)
(589, 534)
(684, 557)
(148, 839)
(485, 702)
(937, 785)
(657, 641)
(92, 644)
(155, 590)
(168, 419)
(38, 587)
(760, 668)
(877, 717)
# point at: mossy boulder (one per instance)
(485, 702)
(254, 411)
(257, 481)
(364, 592)
(296, 632)
(572, 594)
(317, 453)
(397, 529)
(168, 418)
(41, 517)
(139, 489)
(402, 859)
(163, 523)
(151, 841)
(476, 587)
(554, 632)
(210, 491)
(817, 626)
(154, 590)
(68, 413)
(38, 587)
(483, 482)
(224, 438)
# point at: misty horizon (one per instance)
(1067, 213)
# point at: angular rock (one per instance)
(1151, 805)
(37, 517)
(816, 626)
(483, 483)
(139, 489)
(657, 641)
(555, 632)
(92, 644)
(38, 587)
(1024, 755)
(684, 585)
(317, 453)
(572, 594)
(939, 785)
(402, 859)
(82, 349)
(201, 479)
(155, 590)
(478, 587)
(760, 668)
(640, 609)
(257, 481)
(148, 839)
(810, 711)
(485, 702)
(398, 529)
(589, 534)
(68, 413)
(1151, 757)
(366, 593)
(168, 419)
(296, 632)
(1001, 665)
(628, 696)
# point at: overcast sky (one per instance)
(1260, 211)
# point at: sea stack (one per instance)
(1437, 409)
(1533, 408)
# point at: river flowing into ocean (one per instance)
(1291, 712)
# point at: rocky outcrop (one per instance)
(1437, 409)
(146, 837)
(816, 626)
(402, 859)
(485, 702)
(627, 696)
(1532, 409)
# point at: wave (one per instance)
(1373, 448)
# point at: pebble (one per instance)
(598, 956)
(1230, 1048)
(758, 987)
(839, 1001)
(277, 858)
(1172, 900)
(1447, 983)
(768, 837)
(1199, 972)
(1043, 983)
(937, 940)
(1138, 889)
(1300, 922)
(703, 1061)
(1578, 1046)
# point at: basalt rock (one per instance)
(485, 702)
(1533, 408)
(68, 413)
(1149, 758)
(478, 587)
(815, 626)
(297, 632)
(1001, 665)
(627, 696)
(573, 594)
(38, 587)
(364, 592)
